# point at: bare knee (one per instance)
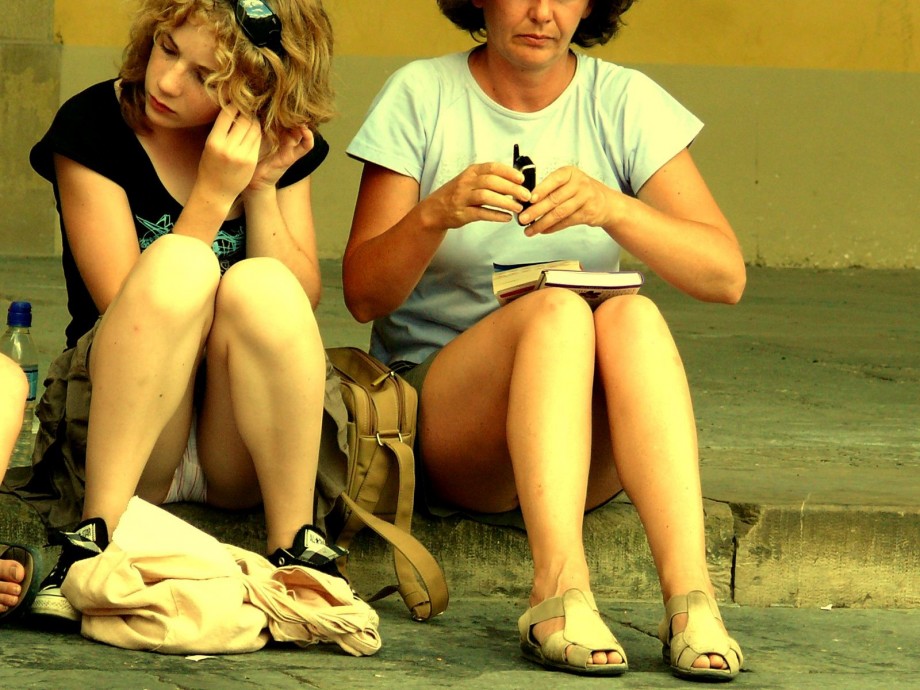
(560, 313)
(649, 349)
(633, 314)
(628, 309)
(560, 302)
(176, 276)
(263, 290)
(262, 300)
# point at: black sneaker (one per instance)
(88, 540)
(311, 550)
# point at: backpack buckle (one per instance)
(380, 438)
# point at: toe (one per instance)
(11, 572)
(614, 658)
(10, 590)
(600, 658)
(9, 596)
(713, 661)
(701, 661)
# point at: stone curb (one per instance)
(820, 555)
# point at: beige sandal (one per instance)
(703, 635)
(570, 649)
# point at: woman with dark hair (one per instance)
(600, 25)
(194, 368)
(543, 407)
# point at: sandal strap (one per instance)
(583, 634)
(703, 635)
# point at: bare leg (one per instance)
(506, 416)
(14, 389)
(260, 424)
(13, 392)
(142, 363)
(654, 442)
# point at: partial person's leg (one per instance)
(259, 427)
(654, 442)
(505, 421)
(142, 364)
(14, 388)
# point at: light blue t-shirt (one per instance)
(431, 121)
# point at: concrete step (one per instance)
(811, 556)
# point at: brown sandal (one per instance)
(570, 649)
(703, 635)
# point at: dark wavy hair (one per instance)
(597, 28)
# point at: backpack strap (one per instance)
(420, 579)
(426, 596)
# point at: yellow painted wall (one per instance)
(812, 140)
(807, 34)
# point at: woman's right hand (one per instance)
(484, 191)
(230, 156)
(394, 235)
(229, 159)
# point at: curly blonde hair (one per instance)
(283, 92)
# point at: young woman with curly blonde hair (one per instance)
(194, 367)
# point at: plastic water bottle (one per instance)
(17, 344)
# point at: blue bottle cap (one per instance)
(19, 314)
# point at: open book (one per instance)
(511, 282)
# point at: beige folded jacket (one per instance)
(165, 586)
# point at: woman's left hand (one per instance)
(295, 144)
(568, 197)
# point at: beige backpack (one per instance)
(380, 483)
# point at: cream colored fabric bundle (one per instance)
(165, 586)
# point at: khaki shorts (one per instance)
(426, 500)
(56, 483)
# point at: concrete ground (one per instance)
(474, 645)
(807, 397)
